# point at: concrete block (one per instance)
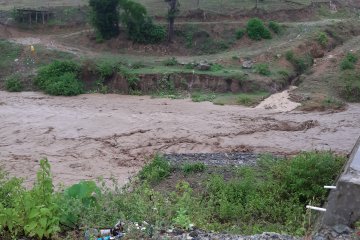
(344, 202)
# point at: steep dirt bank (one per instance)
(89, 136)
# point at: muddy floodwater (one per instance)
(91, 136)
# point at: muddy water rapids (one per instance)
(93, 135)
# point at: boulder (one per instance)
(203, 66)
(247, 64)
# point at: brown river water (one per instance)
(93, 135)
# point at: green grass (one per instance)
(9, 52)
(189, 168)
(246, 99)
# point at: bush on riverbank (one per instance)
(60, 78)
(268, 197)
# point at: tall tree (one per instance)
(105, 17)
(172, 12)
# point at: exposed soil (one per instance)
(95, 135)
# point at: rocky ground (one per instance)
(214, 159)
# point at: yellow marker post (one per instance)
(32, 49)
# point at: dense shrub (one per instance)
(349, 62)
(140, 27)
(147, 32)
(65, 85)
(13, 84)
(33, 213)
(60, 78)
(275, 27)
(322, 39)
(105, 17)
(276, 192)
(106, 68)
(256, 29)
(240, 33)
(263, 69)
(300, 63)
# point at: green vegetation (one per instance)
(170, 62)
(33, 212)
(60, 78)
(350, 89)
(240, 33)
(156, 170)
(13, 84)
(246, 99)
(189, 168)
(322, 39)
(275, 27)
(263, 69)
(105, 18)
(332, 103)
(9, 52)
(202, 97)
(349, 61)
(140, 27)
(216, 67)
(256, 30)
(270, 196)
(300, 63)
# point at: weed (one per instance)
(349, 62)
(351, 86)
(137, 65)
(332, 103)
(100, 87)
(289, 55)
(170, 62)
(13, 84)
(106, 68)
(346, 65)
(322, 39)
(216, 67)
(256, 30)
(240, 33)
(262, 69)
(188, 168)
(300, 63)
(156, 170)
(275, 27)
(34, 212)
(202, 97)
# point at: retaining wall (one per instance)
(344, 202)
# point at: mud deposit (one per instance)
(89, 136)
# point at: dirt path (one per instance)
(89, 136)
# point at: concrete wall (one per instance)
(344, 203)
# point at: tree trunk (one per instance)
(171, 18)
(257, 2)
